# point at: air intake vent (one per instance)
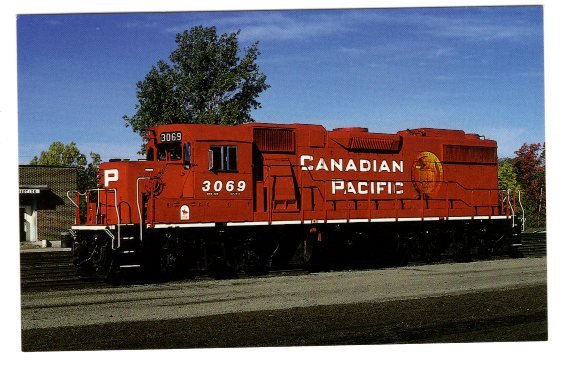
(469, 154)
(274, 139)
(374, 144)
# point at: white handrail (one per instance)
(523, 219)
(98, 205)
(510, 205)
(138, 203)
(72, 201)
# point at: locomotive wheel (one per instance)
(95, 261)
(221, 269)
(81, 260)
(167, 267)
(255, 255)
(314, 247)
(105, 265)
(222, 265)
(399, 259)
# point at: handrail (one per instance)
(138, 204)
(77, 193)
(510, 205)
(106, 190)
(469, 200)
(419, 197)
(523, 219)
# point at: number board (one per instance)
(169, 137)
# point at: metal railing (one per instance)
(481, 202)
(98, 217)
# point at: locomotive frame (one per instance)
(258, 196)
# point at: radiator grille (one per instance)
(274, 140)
(470, 154)
(374, 144)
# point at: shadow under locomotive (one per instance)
(229, 252)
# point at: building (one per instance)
(45, 211)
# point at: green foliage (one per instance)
(88, 176)
(530, 168)
(68, 155)
(506, 175)
(205, 82)
(527, 173)
(60, 154)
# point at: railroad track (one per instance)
(50, 270)
(534, 244)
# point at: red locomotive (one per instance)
(255, 196)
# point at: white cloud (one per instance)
(269, 26)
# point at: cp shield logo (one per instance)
(427, 173)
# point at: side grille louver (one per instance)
(274, 140)
(374, 144)
(470, 154)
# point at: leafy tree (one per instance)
(60, 154)
(68, 155)
(530, 168)
(88, 176)
(205, 82)
(506, 175)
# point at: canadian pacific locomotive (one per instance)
(229, 199)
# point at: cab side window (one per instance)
(172, 151)
(175, 151)
(223, 158)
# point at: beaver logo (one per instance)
(427, 174)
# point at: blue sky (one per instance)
(480, 69)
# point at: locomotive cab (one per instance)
(201, 174)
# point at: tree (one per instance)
(68, 155)
(206, 82)
(530, 168)
(88, 176)
(506, 175)
(60, 154)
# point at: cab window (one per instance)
(172, 151)
(223, 158)
(150, 154)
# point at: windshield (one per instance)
(171, 151)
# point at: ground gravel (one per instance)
(502, 300)
(186, 299)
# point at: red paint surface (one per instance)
(292, 173)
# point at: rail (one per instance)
(488, 205)
(523, 218)
(480, 202)
(138, 197)
(509, 201)
(87, 194)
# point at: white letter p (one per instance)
(110, 175)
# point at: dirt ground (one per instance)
(503, 300)
(518, 314)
